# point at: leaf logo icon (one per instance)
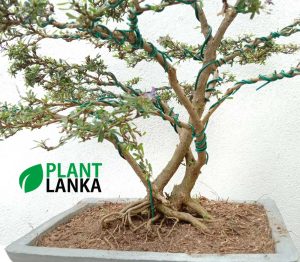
(31, 178)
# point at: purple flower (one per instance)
(150, 95)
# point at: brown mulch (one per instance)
(236, 228)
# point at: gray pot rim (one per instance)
(22, 249)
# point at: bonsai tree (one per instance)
(89, 101)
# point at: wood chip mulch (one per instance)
(236, 228)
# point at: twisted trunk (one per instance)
(180, 205)
(181, 194)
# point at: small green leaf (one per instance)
(65, 3)
(101, 133)
(71, 16)
(31, 178)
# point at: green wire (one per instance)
(266, 78)
(218, 80)
(276, 76)
(201, 145)
(208, 36)
(152, 207)
(118, 145)
(202, 70)
(114, 5)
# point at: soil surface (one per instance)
(236, 228)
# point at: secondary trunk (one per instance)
(181, 194)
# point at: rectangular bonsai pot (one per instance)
(23, 249)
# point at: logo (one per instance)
(31, 178)
(72, 178)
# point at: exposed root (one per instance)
(171, 230)
(141, 208)
(110, 215)
(109, 243)
(130, 220)
(126, 214)
(140, 226)
(161, 222)
(194, 205)
(183, 216)
(159, 236)
(151, 221)
(133, 204)
(138, 208)
(112, 236)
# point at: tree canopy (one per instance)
(88, 100)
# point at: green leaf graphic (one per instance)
(31, 178)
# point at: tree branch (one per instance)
(131, 38)
(286, 31)
(209, 56)
(228, 19)
(202, 19)
(169, 170)
(132, 162)
(230, 91)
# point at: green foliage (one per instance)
(18, 54)
(88, 10)
(181, 51)
(257, 56)
(27, 12)
(184, 52)
(87, 100)
(31, 75)
(142, 105)
(32, 10)
(14, 118)
(249, 6)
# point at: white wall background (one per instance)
(253, 140)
